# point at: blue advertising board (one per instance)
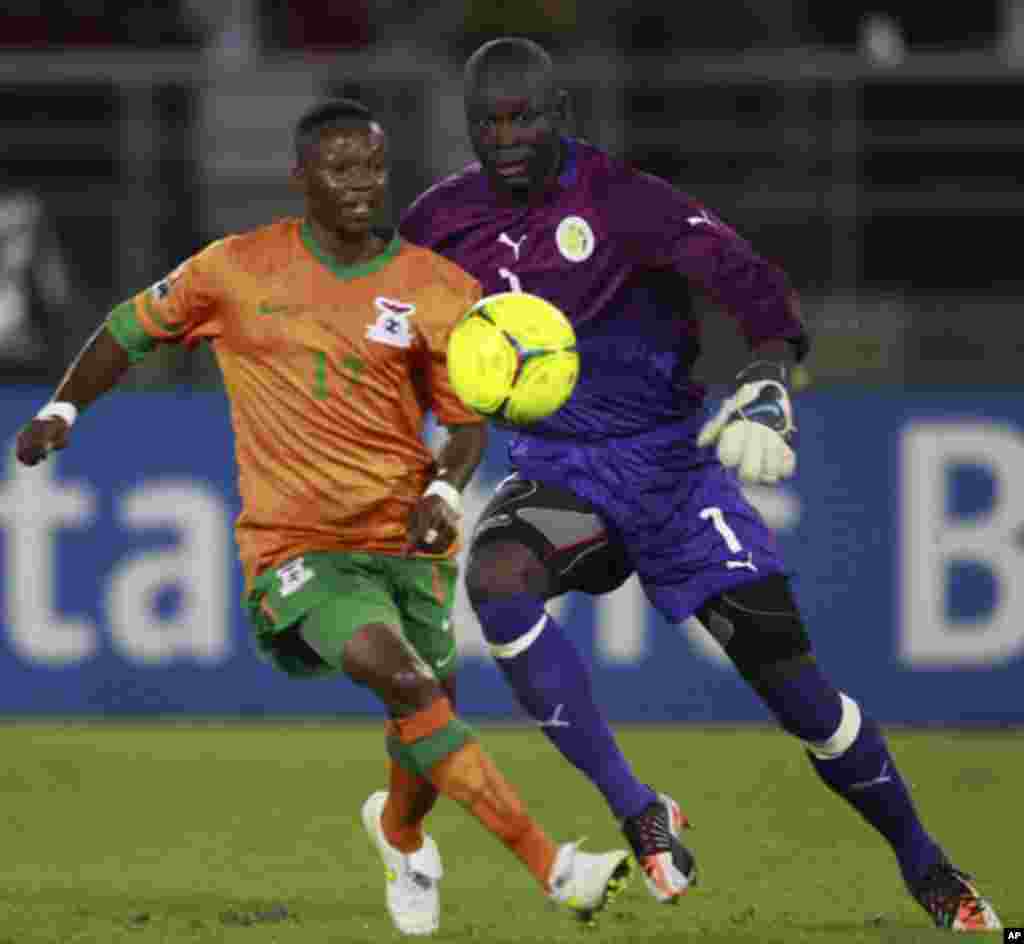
(120, 588)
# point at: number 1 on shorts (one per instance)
(727, 534)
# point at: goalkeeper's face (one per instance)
(514, 125)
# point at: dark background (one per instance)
(871, 149)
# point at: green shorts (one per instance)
(328, 596)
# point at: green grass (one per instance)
(175, 833)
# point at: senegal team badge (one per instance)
(575, 239)
(392, 325)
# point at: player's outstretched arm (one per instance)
(434, 521)
(98, 368)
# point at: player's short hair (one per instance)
(341, 112)
(508, 54)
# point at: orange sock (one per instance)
(470, 778)
(410, 798)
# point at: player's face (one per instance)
(345, 179)
(514, 129)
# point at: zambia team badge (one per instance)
(575, 239)
(392, 325)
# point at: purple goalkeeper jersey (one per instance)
(617, 250)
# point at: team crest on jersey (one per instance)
(392, 325)
(575, 239)
(294, 575)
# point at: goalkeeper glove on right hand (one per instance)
(753, 430)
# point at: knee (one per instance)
(378, 657)
(507, 586)
(504, 569)
(760, 627)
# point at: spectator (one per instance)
(35, 290)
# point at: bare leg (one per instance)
(378, 657)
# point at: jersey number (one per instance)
(729, 536)
(351, 367)
(320, 375)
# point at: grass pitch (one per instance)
(250, 834)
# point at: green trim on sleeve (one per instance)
(127, 330)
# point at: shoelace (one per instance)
(649, 831)
(421, 881)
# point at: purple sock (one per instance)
(867, 778)
(553, 686)
(864, 775)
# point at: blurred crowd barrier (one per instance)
(887, 187)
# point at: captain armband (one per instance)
(126, 329)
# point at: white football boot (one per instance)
(413, 899)
(588, 882)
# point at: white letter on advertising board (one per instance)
(34, 507)
(197, 567)
(932, 541)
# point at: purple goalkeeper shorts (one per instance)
(687, 528)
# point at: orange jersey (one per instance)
(330, 372)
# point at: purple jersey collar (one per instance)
(567, 178)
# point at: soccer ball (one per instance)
(512, 357)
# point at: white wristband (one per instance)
(446, 491)
(61, 408)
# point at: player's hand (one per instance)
(36, 440)
(753, 430)
(433, 526)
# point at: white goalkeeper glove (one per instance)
(753, 429)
